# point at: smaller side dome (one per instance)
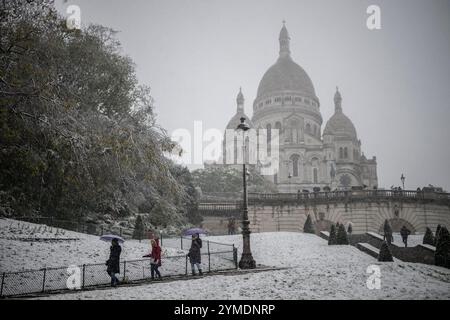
(339, 124)
(236, 120)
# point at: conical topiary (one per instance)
(342, 235)
(442, 253)
(385, 253)
(138, 232)
(332, 239)
(436, 235)
(428, 237)
(309, 227)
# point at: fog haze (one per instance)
(395, 82)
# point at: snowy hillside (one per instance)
(18, 252)
(315, 271)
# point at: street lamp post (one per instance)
(403, 181)
(247, 261)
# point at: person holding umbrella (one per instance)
(195, 256)
(113, 263)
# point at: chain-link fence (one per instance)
(91, 275)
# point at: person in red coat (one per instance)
(155, 256)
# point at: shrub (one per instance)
(428, 237)
(309, 227)
(385, 253)
(342, 235)
(332, 239)
(442, 253)
(436, 235)
(138, 232)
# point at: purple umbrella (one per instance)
(190, 232)
(109, 237)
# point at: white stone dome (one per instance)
(339, 124)
(286, 75)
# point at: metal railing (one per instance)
(214, 258)
(350, 195)
(234, 208)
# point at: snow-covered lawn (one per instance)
(413, 239)
(314, 269)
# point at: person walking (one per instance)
(113, 263)
(350, 228)
(388, 232)
(195, 256)
(231, 226)
(156, 259)
(405, 232)
(155, 256)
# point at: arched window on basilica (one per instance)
(278, 127)
(269, 138)
(308, 128)
(295, 160)
(293, 132)
(315, 169)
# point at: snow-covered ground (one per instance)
(314, 270)
(17, 254)
(413, 239)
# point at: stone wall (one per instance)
(365, 216)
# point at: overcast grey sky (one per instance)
(395, 82)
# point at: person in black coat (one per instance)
(388, 236)
(195, 256)
(113, 262)
(404, 232)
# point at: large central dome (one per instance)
(285, 74)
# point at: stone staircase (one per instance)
(369, 249)
(370, 243)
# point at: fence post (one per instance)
(161, 238)
(84, 271)
(209, 258)
(3, 281)
(186, 265)
(181, 239)
(43, 281)
(124, 269)
(235, 256)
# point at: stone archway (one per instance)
(397, 224)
